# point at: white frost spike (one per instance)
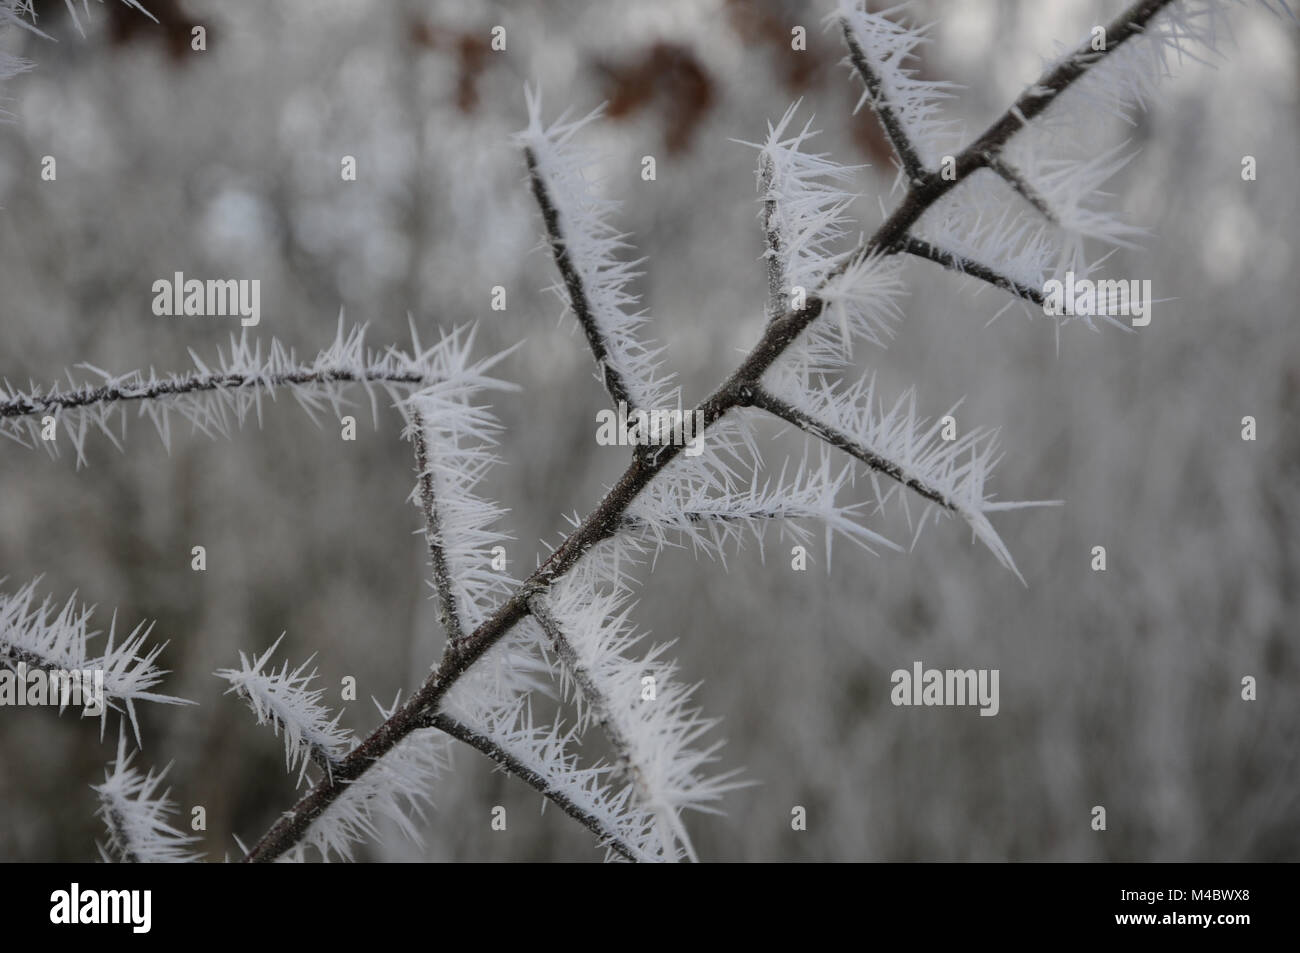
(862, 301)
(11, 66)
(975, 222)
(41, 637)
(660, 760)
(1071, 188)
(137, 819)
(805, 212)
(712, 510)
(956, 471)
(85, 8)
(492, 699)
(14, 12)
(547, 751)
(804, 206)
(217, 398)
(888, 47)
(594, 245)
(458, 436)
(1128, 75)
(395, 789)
(284, 700)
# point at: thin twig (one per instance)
(192, 383)
(595, 699)
(1011, 175)
(777, 300)
(903, 147)
(700, 517)
(530, 777)
(578, 300)
(448, 612)
(1030, 104)
(966, 266)
(774, 405)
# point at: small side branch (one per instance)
(448, 613)
(903, 147)
(1011, 175)
(1035, 100)
(22, 405)
(578, 300)
(774, 405)
(633, 523)
(594, 698)
(1130, 23)
(487, 746)
(776, 297)
(923, 249)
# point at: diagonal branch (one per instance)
(966, 266)
(578, 299)
(738, 390)
(530, 777)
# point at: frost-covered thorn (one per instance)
(597, 704)
(776, 294)
(454, 439)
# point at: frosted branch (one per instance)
(966, 266)
(433, 533)
(285, 701)
(136, 817)
(586, 247)
(217, 398)
(910, 451)
(37, 636)
(559, 794)
(742, 388)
